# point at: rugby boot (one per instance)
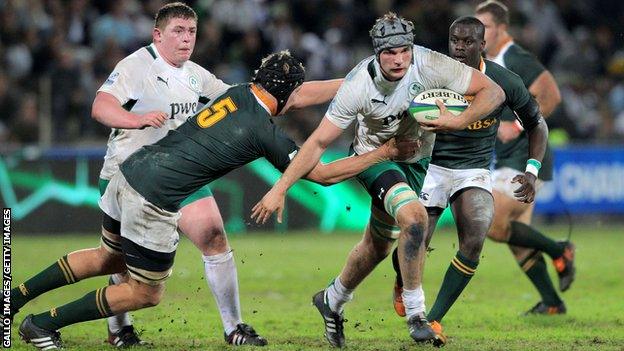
(334, 322)
(542, 308)
(565, 266)
(40, 338)
(419, 328)
(125, 337)
(244, 334)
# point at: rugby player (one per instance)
(459, 172)
(512, 219)
(377, 93)
(143, 199)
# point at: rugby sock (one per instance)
(414, 301)
(91, 306)
(526, 236)
(337, 295)
(534, 267)
(57, 275)
(118, 321)
(221, 276)
(457, 276)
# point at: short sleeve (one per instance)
(347, 103)
(212, 87)
(277, 147)
(441, 71)
(515, 91)
(126, 81)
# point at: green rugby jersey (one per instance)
(228, 134)
(514, 154)
(473, 146)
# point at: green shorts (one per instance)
(203, 192)
(381, 177)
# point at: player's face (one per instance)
(394, 62)
(492, 30)
(177, 40)
(465, 46)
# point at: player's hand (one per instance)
(271, 202)
(154, 119)
(446, 122)
(405, 148)
(526, 192)
(508, 131)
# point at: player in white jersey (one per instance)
(377, 93)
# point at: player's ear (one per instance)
(156, 35)
(482, 46)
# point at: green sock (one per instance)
(457, 276)
(526, 236)
(57, 275)
(89, 307)
(534, 267)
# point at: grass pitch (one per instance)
(279, 273)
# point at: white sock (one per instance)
(337, 295)
(414, 301)
(221, 276)
(118, 321)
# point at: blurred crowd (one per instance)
(54, 54)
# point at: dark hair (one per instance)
(470, 21)
(500, 12)
(173, 10)
(280, 74)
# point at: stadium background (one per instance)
(54, 54)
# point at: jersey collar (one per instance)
(502, 49)
(482, 66)
(270, 105)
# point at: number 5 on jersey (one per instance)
(216, 112)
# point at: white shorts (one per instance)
(502, 177)
(141, 222)
(442, 183)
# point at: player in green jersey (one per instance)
(512, 220)
(459, 171)
(145, 196)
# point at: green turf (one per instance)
(279, 273)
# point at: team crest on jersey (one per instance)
(194, 82)
(112, 78)
(415, 88)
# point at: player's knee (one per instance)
(146, 295)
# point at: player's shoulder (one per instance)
(364, 70)
(424, 55)
(196, 68)
(140, 60)
(518, 55)
(500, 74)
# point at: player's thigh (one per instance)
(202, 223)
(506, 207)
(473, 210)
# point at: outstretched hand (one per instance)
(526, 192)
(271, 202)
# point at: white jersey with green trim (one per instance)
(144, 82)
(380, 106)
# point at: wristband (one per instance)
(533, 166)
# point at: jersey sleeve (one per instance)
(212, 87)
(347, 103)
(524, 64)
(126, 81)
(517, 95)
(277, 147)
(441, 71)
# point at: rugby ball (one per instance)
(424, 109)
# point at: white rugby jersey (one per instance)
(380, 106)
(143, 82)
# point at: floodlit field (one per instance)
(279, 273)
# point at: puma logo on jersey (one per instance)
(375, 101)
(381, 193)
(159, 79)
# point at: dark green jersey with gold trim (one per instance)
(515, 153)
(226, 135)
(473, 146)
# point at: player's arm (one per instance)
(546, 92)
(315, 93)
(107, 110)
(348, 167)
(537, 132)
(305, 160)
(487, 96)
